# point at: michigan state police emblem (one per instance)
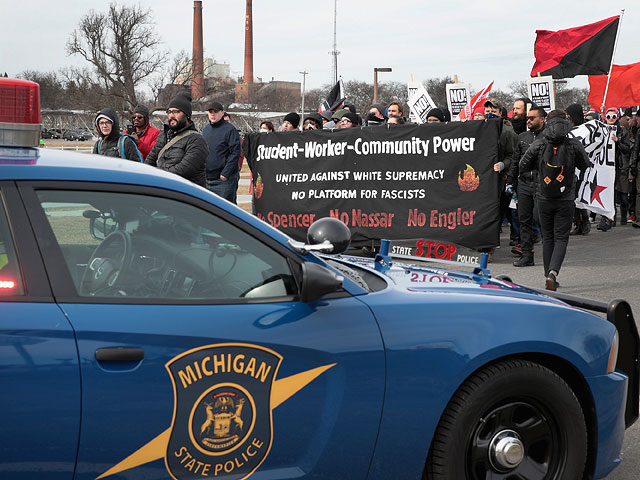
(222, 423)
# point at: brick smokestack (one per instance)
(248, 45)
(197, 81)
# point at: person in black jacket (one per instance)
(180, 149)
(555, 157)
(224, 153)
(109, 143)
(525, 184)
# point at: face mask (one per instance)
(264, 130)
(490, 115)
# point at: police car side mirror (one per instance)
(99, 227)
(318, 281)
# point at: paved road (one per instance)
(602, 266)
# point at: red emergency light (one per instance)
(19, 113)
(7, 284)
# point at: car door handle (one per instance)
(119, 354)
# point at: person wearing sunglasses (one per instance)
(142, 131)
(620, 136)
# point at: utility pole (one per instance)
(335, 51)
(304, 74)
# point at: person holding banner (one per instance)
(556, 157)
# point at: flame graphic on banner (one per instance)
(468, 180)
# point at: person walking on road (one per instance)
(556, 157)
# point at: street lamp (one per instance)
(375, 81)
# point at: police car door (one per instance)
(40, 401)
(196, 356)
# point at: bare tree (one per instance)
(437, 89)
(122, 47)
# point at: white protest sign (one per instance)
(541, 92)
(457, 97)
(420, 104)
(412, 89)
(595, 191)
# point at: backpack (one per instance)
(557, 170)
(120, 146)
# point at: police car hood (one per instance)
(430, 279)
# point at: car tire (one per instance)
(513, 419)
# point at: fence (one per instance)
(75, 148)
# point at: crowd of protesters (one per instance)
(536, 197)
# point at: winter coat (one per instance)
(514, 176)
(186, 157)
(147, 139)
(555, 134)
(108, 146)
(623, 153)
(224, 149)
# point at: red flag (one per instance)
(624, 87)
(585, 50)
(476, 105)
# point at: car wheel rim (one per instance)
(512, 441)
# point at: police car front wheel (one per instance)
(514, 419)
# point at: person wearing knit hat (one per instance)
(337, 116)
(290, 122)
(180, 148)
(435, 115)
(349, 120)
(377, 115)
(110, 143)
(182, 102)
(313, 121)
(142, 131)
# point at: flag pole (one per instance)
(615, 45)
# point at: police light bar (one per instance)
(7, 284)
(19, 113)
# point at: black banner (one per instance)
(432, 180)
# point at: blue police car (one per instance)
(150, 329)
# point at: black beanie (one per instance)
(575, 112)
(353, 117)
(436, 112)
(182, 101)
(143, 110)
(293, 118)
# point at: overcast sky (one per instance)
(479, 41)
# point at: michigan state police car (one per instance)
(150, 330)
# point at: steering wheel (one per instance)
(103, 271)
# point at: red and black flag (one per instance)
(334, 99)
(585, 50)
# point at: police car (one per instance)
(150, 329)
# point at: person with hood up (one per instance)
(180, 148)
(142, 131)
(110, 142)
(556, 157)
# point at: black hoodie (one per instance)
(108, 146)
(554, 135)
